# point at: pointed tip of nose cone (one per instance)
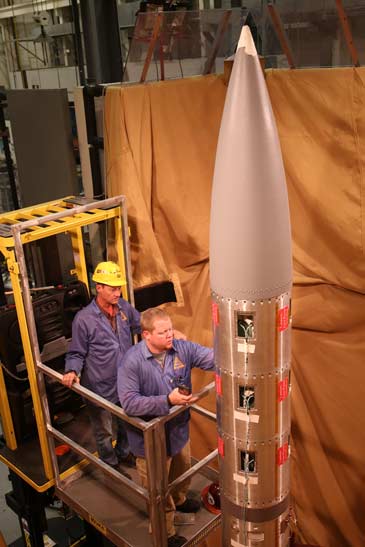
(250, 243)
(246, 41)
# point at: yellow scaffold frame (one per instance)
(35, 223)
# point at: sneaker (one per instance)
(129, 460)
(189, 506)
(176, 541)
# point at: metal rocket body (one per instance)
(251, 276)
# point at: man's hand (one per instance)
(69, 378)
(177, 398)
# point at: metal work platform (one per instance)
(27, 461)
(122, 516)
(114, 504)
(117, 505)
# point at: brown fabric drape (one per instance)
(321, 120)
(164, 164)
(160, 147)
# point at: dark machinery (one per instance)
(54, 310)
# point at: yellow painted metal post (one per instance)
(31, 368)
(120, 250)
(6, 418)
(79, 254)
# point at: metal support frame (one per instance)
(347, 33)
(281, 34)
(155, 449)
(17, 285)
(47, 220)
(122, 232)
(222, 27)
(60, 219)
(152, 44)
(157, 485)
(194, 469)
(79, 258)
(36, 379)
(7, 420)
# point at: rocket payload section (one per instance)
(251, 276)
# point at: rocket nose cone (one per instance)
(246, 41)
(250, 244)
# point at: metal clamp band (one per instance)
(254, 515)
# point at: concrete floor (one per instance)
(9, 524)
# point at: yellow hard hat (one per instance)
(108, 273)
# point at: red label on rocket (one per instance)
(283, 318)
(218, 384)
(283, 389)
(282, 454)
(215, 314)
(221, 447)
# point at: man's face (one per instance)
(107, 295)
(161, 337)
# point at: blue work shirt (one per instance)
(143, 386)
(95, 348)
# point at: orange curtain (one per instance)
(321, 120)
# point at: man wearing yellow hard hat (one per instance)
(101, 334)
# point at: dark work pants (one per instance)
(102, 424)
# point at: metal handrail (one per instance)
(193, 469)
(90, 457)
(154, 432)
(204, 412)
(177, 409)
(97, 399)
(136, 422)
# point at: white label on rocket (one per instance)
(244, 417)
(246, 348)
(241, 478)
(236, 544)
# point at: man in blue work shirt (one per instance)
(150, 380)
(101, 334)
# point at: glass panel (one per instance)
(35, 41)
(184, 42)
(314, 33)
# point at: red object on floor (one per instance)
(208, 501)
(62, 449)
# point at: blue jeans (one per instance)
(102, 424)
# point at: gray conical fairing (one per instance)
(250, 242)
